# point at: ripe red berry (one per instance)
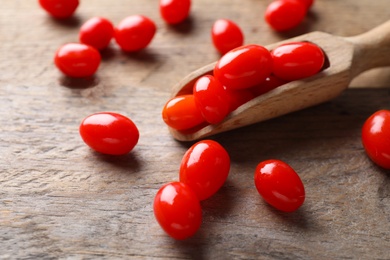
(307, 3)
(376, 138)
(59, 8)
(174, 11)
(226, 35)
(135, 33)
(97, 32)
(279, 185)
(269, 84)
(109, 133)
(244, 67)
(205, 167)
(236, 98)
(211, 98)
(182, 113)
(284, 15)
(177, 210)
(77, 60)
(297, 60)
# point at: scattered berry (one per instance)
(205, 167)
(284, 15)
(135, 33)
(376, 138)
(77, 60)
(177, 210)
(226, 35)
(59, 8)
(175, 11)
(279, 185)
(109, 133)
(97, 32)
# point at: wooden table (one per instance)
(60, 200)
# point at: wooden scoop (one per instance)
(347, 57)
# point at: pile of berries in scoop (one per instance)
(242, 73)
(239, 76)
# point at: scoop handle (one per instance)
(371, 49)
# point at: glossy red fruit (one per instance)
(297, 60)
(284, 15)
(97, 32)
(109, 133)
(244, 67)
(177, 210)
(269, 84)
(211, 98)
(59, 8)
(205, 167)
(174, 11)
(181, 113)
(307, 3)
(238, 98)
(376, 138)
(279, 185)
(77, 60)
(135, 33)
(226, 35)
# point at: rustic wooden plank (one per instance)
(58, 199)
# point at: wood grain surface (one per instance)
(60, 200)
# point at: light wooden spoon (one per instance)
(347, 57)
